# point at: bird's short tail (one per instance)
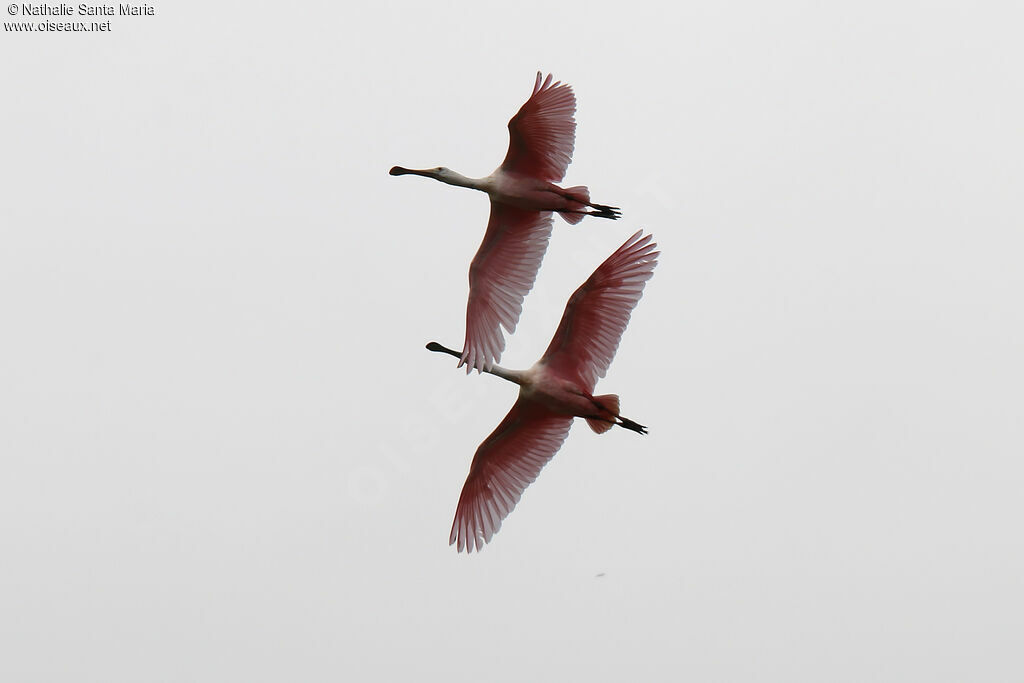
(581, 195)
(609, 406)
(608, 416)
(581, 206)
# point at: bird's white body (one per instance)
(559, 394)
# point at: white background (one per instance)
(226, 455)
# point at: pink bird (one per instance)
(556, 389)
(523, 196)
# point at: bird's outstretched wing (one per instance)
(506, 463)
(543, 132)
(598, 312)
(500, 276)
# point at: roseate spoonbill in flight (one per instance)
(556, 389)
(523, 196)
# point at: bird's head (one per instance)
(445, 175)
(437, 172)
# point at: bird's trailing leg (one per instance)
(621, 422)
(603, 211)
(581, 196)
(609, 406)
(629, 424)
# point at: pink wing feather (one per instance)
(543, 132)
(598, 312)
(506, 463)
(500, 276)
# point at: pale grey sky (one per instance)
(226, 456)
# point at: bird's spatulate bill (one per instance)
(434, 346)
(402, 170)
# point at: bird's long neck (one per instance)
(445, 175)
(452, 178)
(504, 373)
(511, 375)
